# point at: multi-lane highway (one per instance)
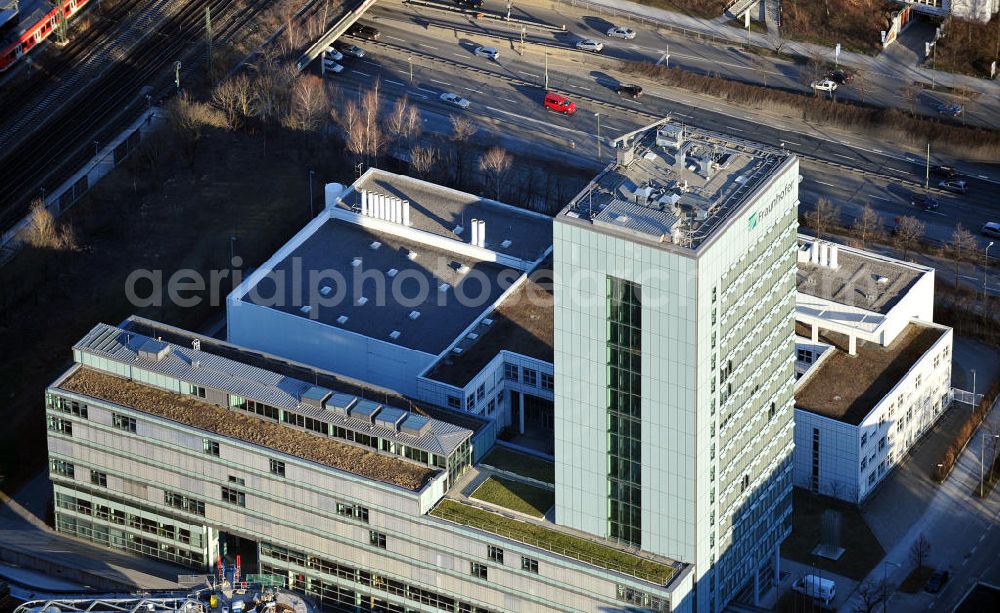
(506, 98)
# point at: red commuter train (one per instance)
(41, 25)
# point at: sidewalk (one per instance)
(882, 64)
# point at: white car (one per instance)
(589, 44)
(455, 99)
(490, 52)
(353, 51)
(331, 66)
(626, 33)
(333, 54)
(826, 85)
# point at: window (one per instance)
(548, 382)
(491, 407)
(745, 483)
(234, 496)
(530, 376)
(184, 503)
(454, 402)
(470, 401)
(495, 554)
(871, 478)
(510, 372)
(864, 440)
(376, 538)
(68, 406)
(805, 355)
(237, 480)
(99, 478)
(58, 424)
(211, 447)
(529, 565)
(61, 467)
(864, 463)
(881, 443)
(123, 422)
(770, 412)
(481, 392)
(353, 510)
(277, 467)
(478, 570)
(196, 390)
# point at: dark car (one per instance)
(840, 75)
(924, 202)
(366, 32)
(630, 90)
(945, 171)
(936, 582)
(472, 4)
(954, 185)
(950, 109)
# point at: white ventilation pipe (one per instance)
(474, 226)
(824, 249)
(406, 212)
(482, 233)
(834, 253)
(364, 202)
(397, 210)
(814, 252)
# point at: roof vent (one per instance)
(394, 334)
(505, 243)
(414, 314)
(411, 254)
(458, 229)
(392, 272)
(196, 344)
(457, 350)
(305, 309)
(375, 245)
(463, 269)
(881, 280)
(362, 300)
(472, 336)
(325, 290)
(153, 350)
(342, 319)
(196, 364)
(487, 322)
(356, 262)
(443, 287)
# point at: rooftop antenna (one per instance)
(590, 203)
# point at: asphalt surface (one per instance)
(505, 98)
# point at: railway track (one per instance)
(114, 98)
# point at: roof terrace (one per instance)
(206, 416)
(674, 184)
(846, 387)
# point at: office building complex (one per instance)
(674, 354)
(348, 434)
(874, 368)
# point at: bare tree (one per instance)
(824, 217)
(909, 231)
(960, 247)
(422, 160)
(309, 103)
(919, 550)
(910, 93)
(413, 124)
(869, 226)
(235, 98)
(462, 130)
(871, 595)
(374, 140)
(862, 83)
(495, 163)
(349, 118)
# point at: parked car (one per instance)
(944, 171)
(841, 76)
(366, 32)
(589, 44)
(816, 587)
(472, 4)
(559, 104)
(630, 90)
(617, 32)
(352, 50)
(826, 85)
(455, 99)
(331, 66)
(332, 54)
(936, 582)
(490, 52)
(954, 185)
(924, 202)
(950, 109)
(991, 229)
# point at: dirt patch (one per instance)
(967, 47)
(855, 24)
(217, 420)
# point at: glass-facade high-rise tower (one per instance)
(674, 355)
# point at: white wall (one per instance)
(918, 303)
(327, 347)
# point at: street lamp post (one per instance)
(986, 267)
(973, 388)
(311, 174)
(982, 471)
(598, 115)
(410, 61)
(546, 69)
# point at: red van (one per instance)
(559, 104)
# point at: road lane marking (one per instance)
(430, 91)
(824, 183)
(396, 38)
(983, 177)
(511, 100)
(846, 157)
(428, 46)
(734, 129)
(528, 73)
(881, 198)
(395, 82)
(363, 74)
(544, 123)
(788, 142)
(584, 88)
(436, 81)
